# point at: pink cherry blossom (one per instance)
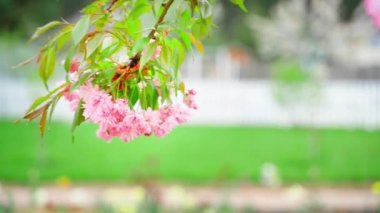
(116, 119)
(165, 127)
(372, 8)
(73, 98)
(189, 99)
(182, 114)
(97, 103)
(151, 121)
(157, 52)
(74, 66)
(102, 133)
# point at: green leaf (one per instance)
(184, 37)
(102, 21)
(94, 43)
(92, 8)
(166, 55)
(157, 5)
(45, 98)
(105, 65)
(164, 91)
(134, 27)
(110, 50)
(52, 108)
(154, 97)
(69, 58)
(50, 63)
(105, 76)
(201, 28)
(240, 3)
(140, 44)
(133, 94)
(184, 19)
(139, 9)
(63, 37)
(148, 96)
(147, 54)
(78, 119)
(143, 101)
(42, 68)
(81, 29)
(45, 28)
(180, 53)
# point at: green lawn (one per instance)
(189, 154)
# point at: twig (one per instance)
(109, 8)
(135, 60)
(161, 18)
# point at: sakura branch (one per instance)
(118, 76)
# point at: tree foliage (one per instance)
(118, 54)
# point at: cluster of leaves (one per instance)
(109, 30)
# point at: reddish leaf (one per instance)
(43, 121)
(37, 112)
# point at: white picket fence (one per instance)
(342, 104)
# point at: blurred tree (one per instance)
(24, 15)
(347, 9)
(234, 22)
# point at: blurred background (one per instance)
(288, 120)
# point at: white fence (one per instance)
(342, 104)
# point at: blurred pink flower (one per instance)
(165, 127)
(182, 114)
(189, 99)
(73, 99)
(372, 8)
(151, 121)
(157, 52)
(102, 133)
(74, 66)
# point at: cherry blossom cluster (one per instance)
(116, 119)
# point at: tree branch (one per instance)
(135, 60)
(161, 18)
(109, 8)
